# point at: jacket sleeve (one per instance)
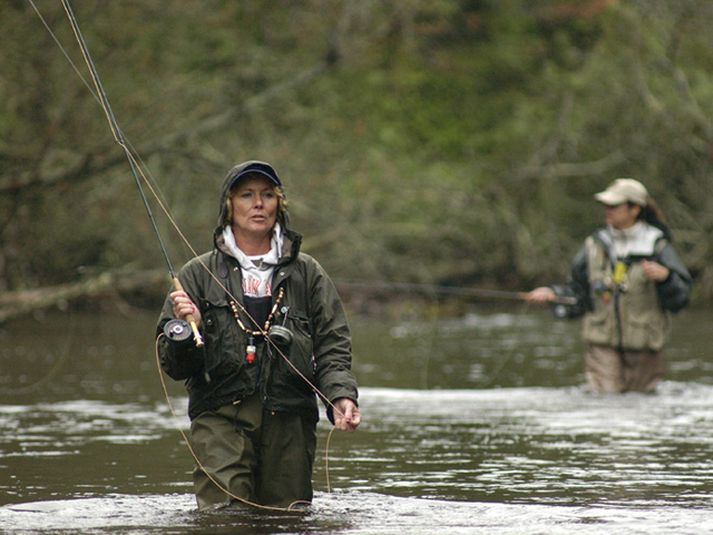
(674, 292)
(332, 342)
(179, 360)
(577, 287)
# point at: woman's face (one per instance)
(621, 216)
(254, 204)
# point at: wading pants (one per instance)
(262, 456)
(608, 370)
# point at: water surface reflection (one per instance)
(503, 439)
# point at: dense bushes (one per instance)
(440, 142)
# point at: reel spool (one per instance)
(177, 331)
(281, 336)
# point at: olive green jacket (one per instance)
(219, 374)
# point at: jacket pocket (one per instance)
(302, 350)
(220, 336)
(290, 378)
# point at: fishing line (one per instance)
(62, 49)
(137, 167)
(137, 170)
(119, 138)
(326, 458)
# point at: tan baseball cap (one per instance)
(623, 190)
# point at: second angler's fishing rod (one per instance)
(447, 290)
(119, 138)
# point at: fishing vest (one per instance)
(626, 312)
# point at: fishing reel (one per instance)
(180, 334)
(281, 336)
(563, 308)
(178, 331)
(560, 311)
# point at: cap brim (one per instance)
(271, 178)
(609, 198)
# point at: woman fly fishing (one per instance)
(274, 333)
(626, 279)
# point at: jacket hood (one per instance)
(291, 240)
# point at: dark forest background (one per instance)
(445, 142)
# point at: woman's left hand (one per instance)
(346, 415)
(655, 271)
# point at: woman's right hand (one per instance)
(346, 414)
(543, 294)
(183, 306)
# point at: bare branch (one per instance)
(22, 302)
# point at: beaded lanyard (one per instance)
(250, 348)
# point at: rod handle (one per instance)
(189, 317)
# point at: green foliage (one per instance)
(457, 141)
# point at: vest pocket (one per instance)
(596, 330)
(646, 331)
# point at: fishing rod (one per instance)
(136, 170)
(119, 138)
(449, 290)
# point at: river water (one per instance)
(473, 424)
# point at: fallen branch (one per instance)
(23, 302)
